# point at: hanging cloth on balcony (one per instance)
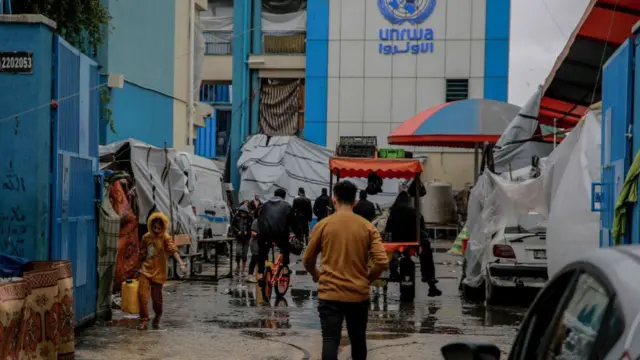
(279, 109)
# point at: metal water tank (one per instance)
(438, 205)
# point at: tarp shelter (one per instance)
(154, 176)
(574, 82)
(461, 123)
(288, 162)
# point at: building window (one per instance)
(457, 89)
(223, 129)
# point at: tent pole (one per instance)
(555, 132)
(416, 182)
(475, 162)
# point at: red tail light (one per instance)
(412, 252)
(503, 251)
(625, 356)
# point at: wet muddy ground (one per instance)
(230, 320)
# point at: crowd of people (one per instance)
(353, 255)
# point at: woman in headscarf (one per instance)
(402, 227)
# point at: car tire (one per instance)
(490, 292)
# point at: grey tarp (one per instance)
(153, 176)
(289, 162)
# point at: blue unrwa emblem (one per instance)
(414, 12)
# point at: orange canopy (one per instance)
(575, 80)
(385, 168)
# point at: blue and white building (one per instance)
(365, 66)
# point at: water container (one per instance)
(438, 204)
(130, 302)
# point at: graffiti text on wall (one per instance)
(13, 229)
(13, 221)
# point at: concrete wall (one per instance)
(141, 47)
(449, 165)
(181, 76)
(217, 68)
(25, 140)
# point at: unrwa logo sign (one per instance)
(414, 12)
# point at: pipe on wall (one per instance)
(192, 49)
(241, 29)
(256, 48)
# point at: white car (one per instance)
(517, 257)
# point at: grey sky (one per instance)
(538, 34)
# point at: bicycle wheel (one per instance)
(266, 284)
(282, 282)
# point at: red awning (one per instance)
(385, 168)
(575, 82)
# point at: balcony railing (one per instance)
(284, 42)
(273, 42)
(218, 42)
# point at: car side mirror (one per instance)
(467, 350)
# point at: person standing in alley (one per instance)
(155, 248)
(364, 207)
(321, 205)
(303, 213)
(352, 258)
(255, 250)
(242, 231)
(401, 224)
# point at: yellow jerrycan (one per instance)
(130, 302)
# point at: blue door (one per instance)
(75, 162)
(617, 97)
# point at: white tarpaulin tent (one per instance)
(561, 194)
(153, 177)
(289, 162)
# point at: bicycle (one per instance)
(277, 276)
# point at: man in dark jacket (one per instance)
(321, 205)
(275, 223)
(364, 207)
(303, 213)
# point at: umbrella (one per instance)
(463, 123)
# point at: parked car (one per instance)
(516, 257)
(589, 310)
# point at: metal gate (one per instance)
(75, 162)
(617, 98)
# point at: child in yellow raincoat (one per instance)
(155, 248)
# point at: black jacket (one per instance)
(276, 221)
(321, 206)
(401, 224)
(366, 209)
(242, 224)
(302, 208)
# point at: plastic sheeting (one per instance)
(153, 177)
(289, 162)
(514, 148)
(295, 21)
(561, 194)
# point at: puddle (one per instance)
(494, 316)
(344, 340)
(263, 334)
